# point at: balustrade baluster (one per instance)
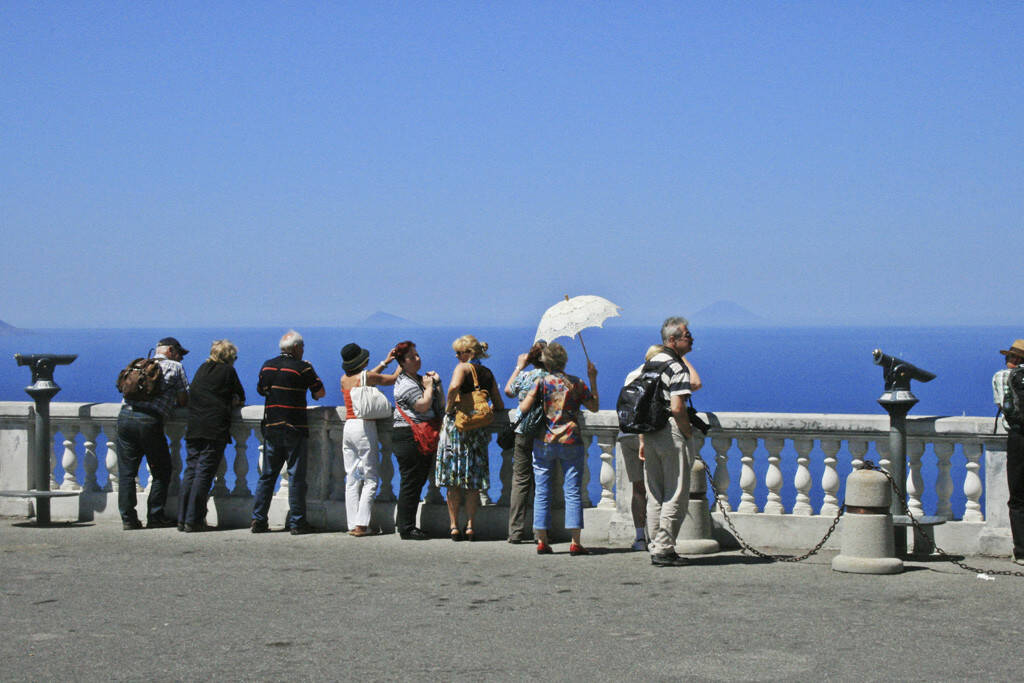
(773, 477)
(336, 468)
(113, 486)
(720, 478)
(176, 433)
(802, 480)
(858, 449)
(585, 480)
(606, 442)
(69, 461)
(943, 479)
(220, 484)
(53, 469)
(914, 484)
(973, 487)
(748, 478)
(830, 477)
(89, 461)
(505, 475)
(240, 433)
(386, 467)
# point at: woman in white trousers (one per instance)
(359, 439)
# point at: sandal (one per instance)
(456, 534)
(469, 534)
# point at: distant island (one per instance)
(382, 319)
(6, 329)
(727, 314)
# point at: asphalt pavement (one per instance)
(93, 602)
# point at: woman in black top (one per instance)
(214, 391)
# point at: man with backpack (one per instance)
(665, 443)
(151, 392)
(1008, 393)
(633, 459)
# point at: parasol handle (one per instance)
(580, 335)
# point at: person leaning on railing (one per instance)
(419, 398)
(214, 391)
(562, 395)
(462, 464)
(518, 386)
(359, 437)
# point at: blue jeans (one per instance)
(544, 457)
(280, 446)
(141, 435)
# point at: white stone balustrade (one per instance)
(791, 466)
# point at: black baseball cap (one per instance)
(174, 343)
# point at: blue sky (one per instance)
(311, 163)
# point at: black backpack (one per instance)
(141, 380)
(641, 407)
(1013, 400)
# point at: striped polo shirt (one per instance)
(284, 382)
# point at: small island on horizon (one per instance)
(727, 314)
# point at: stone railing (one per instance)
(784, 473)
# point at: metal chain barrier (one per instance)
(754, 551)
(868, 465)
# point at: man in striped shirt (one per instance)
(284, 381)
(668, 452)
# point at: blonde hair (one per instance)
(223, 351)
(653, 351)
(468, 342)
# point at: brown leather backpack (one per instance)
(141, 380)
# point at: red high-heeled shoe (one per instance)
(543, 548)
(577, 549)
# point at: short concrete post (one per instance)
(868, 544)
(695, 535)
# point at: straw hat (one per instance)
(1017, 349)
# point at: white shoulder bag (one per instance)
(369, 403)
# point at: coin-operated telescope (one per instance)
(898, 399)
(43, 389)
(897, 374)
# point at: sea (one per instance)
(743, 369)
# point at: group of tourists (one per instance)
(434, 433)
(446, 434)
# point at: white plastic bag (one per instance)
(368, 403)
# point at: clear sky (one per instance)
(309, 163)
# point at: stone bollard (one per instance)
(695, 535)
(867, 543)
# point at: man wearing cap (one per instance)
(284, 381)
(140, 433)
(1004, 382)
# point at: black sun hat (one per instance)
(353, 357)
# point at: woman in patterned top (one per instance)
(418, 400)
(562, 396)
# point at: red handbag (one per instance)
(426, 434)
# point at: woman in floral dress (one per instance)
(462, 456)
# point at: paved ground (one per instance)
(92, 602)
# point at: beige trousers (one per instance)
(668, 459)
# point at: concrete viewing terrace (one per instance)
(83, 599)
(89, 601)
